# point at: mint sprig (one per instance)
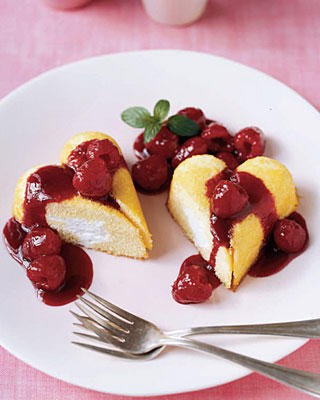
(137, 117)
(183, 126)
(161, 110)
(140, 117)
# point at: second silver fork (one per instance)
(134, 335)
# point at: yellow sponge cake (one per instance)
(272, 196)
(116, 226)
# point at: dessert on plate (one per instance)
(237, 206)
(229, 219)
(87, 200)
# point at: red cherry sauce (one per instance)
(49, 184)
(195, 282)
(261, 204)
(79, 155)
(139, 148)
(79, 275)
(79, 272)
(272, 260)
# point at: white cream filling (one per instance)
(87, 234)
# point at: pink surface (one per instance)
(280, 37)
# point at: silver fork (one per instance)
(136, 337)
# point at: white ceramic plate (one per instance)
(38, 118)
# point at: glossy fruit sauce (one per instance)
(261, 203)
(50, 184)
(55, 184)
(196, 279)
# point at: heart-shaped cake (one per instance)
(229, 218)
(108, 219)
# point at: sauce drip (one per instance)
(261, 203)
(79, 272)
(272, 260)
(79, 275)
(48, 184)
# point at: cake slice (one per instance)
(272, 196)
(115, 224)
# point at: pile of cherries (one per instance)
(39, 250)
(161, 155)
(94, 163)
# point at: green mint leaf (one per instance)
(161, 110)
(151, 129)
(137, 117)
(183, 126)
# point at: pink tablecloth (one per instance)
(280, 37)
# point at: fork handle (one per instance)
(306, 329)
(307, 382)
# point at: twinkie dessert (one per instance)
(235, 205)
(88, 200)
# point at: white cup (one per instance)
(67, 4)
(175, 12)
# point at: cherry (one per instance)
(165, 143)
(217, 138)
(14, 234)
(289, 236)
(228, 158)
(196, 259)
(249, 143)
(195, 114)
(39, 242)
(47, 272)
(228, 199)
(106, 150)
(192, 285)
(151, 174)
(78, 155)
(193, 146)
(139, 147)
(93, 179)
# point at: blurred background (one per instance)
(280, 37)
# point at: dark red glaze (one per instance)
(195, 282)
(228, 158)
(193, 146)
(289, 236)
(272, 260)
(165, 144)
(48, 184)
(151, 174)
(41, 242)
(79, 275)
(261, 203)
(78, 272)
(139, 148)
(213, 182)
(249, 143)
(78, 155)
(93, 179)
(228, 199)
(47, 272)
(58, 274)
(95, 162)
(14, 234)
(107, 151)
(195, 114)
(217, 138)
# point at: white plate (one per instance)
(40, 116)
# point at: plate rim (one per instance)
(25, 86)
